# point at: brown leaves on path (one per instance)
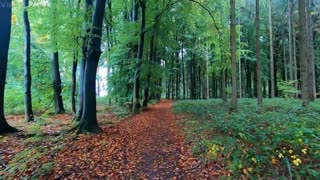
(149, 145)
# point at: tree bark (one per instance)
(57, 84)
(207, 74)
(5, 30)
(295, 63)
(85, 38)
(310, 53)
(285, 68)
(74, 82)
(258, 67)
(272, 88)
(234, 98)
(88, 122)
(240, 64)
(27, 70)
(302, 54)
(290, 41)
(151, 60)
(183, 73)
(136, 87)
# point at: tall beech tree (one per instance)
(302, 53)
(5, 24)
(89, 122)
(258, 63)
(27, 68)
(85, 38)
(234, 99)
(310, 52)
(272, 90)
(136, 87)
(57, 84)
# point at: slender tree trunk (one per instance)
(249, 80)
(207, 74)
(88, 122)
(57, 84)
(178, 75)
(74, 73)
(302, 53)
(27, 69)
(258, 68)
(272, 88)
(136, 87)
(295, 63)
(5, 24)
(240, 69)
(183, 73)
(310, 53)
(223, 85)
(192, 78)
(109, 39)
(234, 100)
(85, 37)
(74, 82)
(290, 42)
(285, 61)
(151, 61)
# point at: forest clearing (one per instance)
(169, 89)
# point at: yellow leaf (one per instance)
(14, 19)
(304, 150)
(254, 160)
(297, 161)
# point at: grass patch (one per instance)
(279, 139)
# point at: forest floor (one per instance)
(150, 145)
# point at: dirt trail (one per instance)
(149, 145)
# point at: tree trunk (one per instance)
(183, 73)
(234, 100)
(88, 122)
(272, 88)
(5, 24)
(290, 42)
(151, 60)
(136, 87)
(310, 53)
(27, 70)
(57, 84)
(285, 68)
(74, 82)
(192, 78)
(177, 74)
(302, 54)
(240, 64)
(258, 68)
(85, 37)
(295, 63)
(207, 74)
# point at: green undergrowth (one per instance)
(278, 140)
(36, 159)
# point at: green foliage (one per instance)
(21, 162)
(287, 89)
(256, 142)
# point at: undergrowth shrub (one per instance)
(279, 139)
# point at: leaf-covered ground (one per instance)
(149, 145)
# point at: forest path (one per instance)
(149, 145)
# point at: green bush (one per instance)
(279, 139)
(287, 89)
